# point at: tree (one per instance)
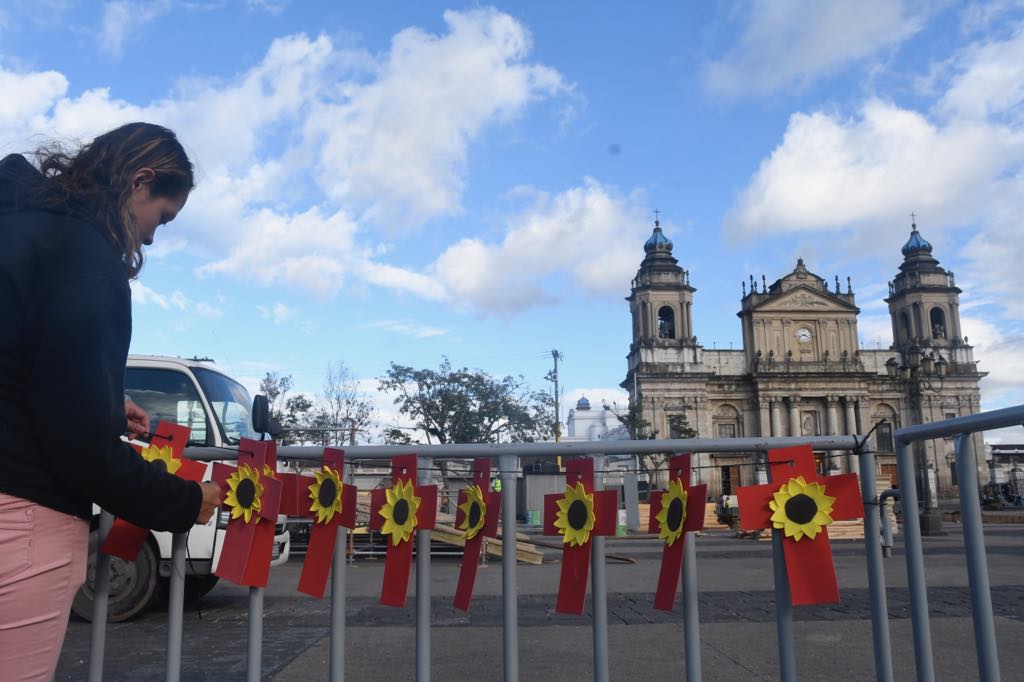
(655, 465)
(346, 410)
(466, 406)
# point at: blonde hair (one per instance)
(100, 174)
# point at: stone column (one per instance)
(765, 419)
(851, 419)
(833, 417)
(794, 416)
(776, 408)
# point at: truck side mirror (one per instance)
(261, 414)
(276, 430)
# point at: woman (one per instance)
(72, 233)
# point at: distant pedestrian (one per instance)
(72, 232)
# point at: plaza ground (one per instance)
(736, 610)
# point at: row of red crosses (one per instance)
(795, 502)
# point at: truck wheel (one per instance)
(132, 584)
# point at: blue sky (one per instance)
(404, 180)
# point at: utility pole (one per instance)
(553, 376)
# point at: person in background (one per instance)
(72, 229)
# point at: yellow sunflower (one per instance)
(475, 510)
(801, 508)
(245, 493)
(326, 494)
(399, 511)
(575, 517)
(268, 472)
(673, 512)
(162, 456)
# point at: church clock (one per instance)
(803, 335)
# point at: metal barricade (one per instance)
(507, 457)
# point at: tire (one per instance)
(133, 584)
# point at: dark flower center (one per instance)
(674, 518)
(159, 464)
(577, 515)
(475, 512)
(801, 508)
(328, 493)
(400, 512)
(246, 492)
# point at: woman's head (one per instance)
(137, 177)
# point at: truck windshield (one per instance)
(230, 403)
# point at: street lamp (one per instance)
(921, 371)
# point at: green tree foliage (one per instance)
(468, 406)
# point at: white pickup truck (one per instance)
(193, 393)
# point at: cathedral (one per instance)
(801, 371)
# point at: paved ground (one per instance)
(736, 609)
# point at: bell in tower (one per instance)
(924, 301)
(661, 298)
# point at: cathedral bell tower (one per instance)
(924, 301)
(661, 298)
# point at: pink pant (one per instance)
(42, 564)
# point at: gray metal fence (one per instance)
(507, 457)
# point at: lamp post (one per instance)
(922, 371)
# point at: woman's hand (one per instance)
(138, 420)
(211, 500)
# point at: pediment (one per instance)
(804, 299)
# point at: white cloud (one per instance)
(305, 152)
(1002, 356)
(990, 80)
(868, 170)
(398, 146)
(791, 43)
(587, 231)
(279, 313)
(123, 20)
(417, 331)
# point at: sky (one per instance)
(401, 181)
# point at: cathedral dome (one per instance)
(916, 243)
(658, 241)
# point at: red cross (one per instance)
(572, 586)
(245, 557)
(812, 573)
(693, 520)
(126, 539)
(323, 535)
(471, 551)
(399, 559)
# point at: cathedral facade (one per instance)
(801, 371)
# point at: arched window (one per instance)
(938, 323)
(727, 422)
(905, 326)
(883, 433)
(666, 322)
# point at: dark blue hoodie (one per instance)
(65, 327)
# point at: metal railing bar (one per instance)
(691, 615)
(983, 421)
(612, 447)
(783, 610)
(923, 659)
(422, 593)
(100, 595)
(876, 572)
(176, 606)
(599, 592)
(254, 662)
(509, 466)
(977, 564)
(337, 660)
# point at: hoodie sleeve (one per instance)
(77, 408)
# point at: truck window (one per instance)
(169, 396)
(230, 402)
